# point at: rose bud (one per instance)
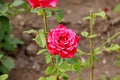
(43, 3)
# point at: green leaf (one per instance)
(59, 15)
(9, 46)
(1, 34)
(48, 12)
(1, 1)
(117, 8)
(16, 41)
(5, 25)
(117, 77)
(64, 67)
(3, 69)
(40, 12)
(80, 52)
(92, 36)
(7, 62)
(42, 78)
(118, 63)
(85, 18)
(31, 31)
(41, 51)
(59, 60)
(65, 78)
(50, 70)
(48, 58)
(113, 47)
(96, 58)
(84, 34)
(86, 64)
(17, 3)
(73, 60)
(52, 78)
(97, 51)
(1, 45)
(3, 77)
(40, 39)
(77, 66)
(37, 10)
(102, 14)
(3, 9)
(1, 54)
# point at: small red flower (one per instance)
(62, 41)
(105, 9)
(43, 3)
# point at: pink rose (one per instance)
(62, 41)
(43, 3)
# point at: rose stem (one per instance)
(109, 39)
(54, 64)
(91, 48)
(45, 22)
(45, 31)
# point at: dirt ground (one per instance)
(29, 66)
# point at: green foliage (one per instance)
(118, 63)
(50, 70)
(42, 78)
(6, 40)
(31, 31)
(77, 66)
(80, 52)
(48, 12)
(38, 10)
(58, 12)
(48, 58)
(15, 7)
(59, 60)
(117, 77)
(84, 34)
(40, 39)
(51, 77)
(97, 51)
(101, 14)
(92, 36)
(17, 3)
(48, 78)
(113, 47)
(117, 8)
(92, 15)
(86, 63)
(3, 77)
(59, 15)
(41, 51)
(64, 67)
(7, 63)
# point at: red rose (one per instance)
(43, 3)
(62, 41)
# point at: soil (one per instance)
(30, 66)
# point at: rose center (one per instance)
(62, 39)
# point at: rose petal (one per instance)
(34, 3)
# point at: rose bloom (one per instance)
(62, 41)
(43, 3)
